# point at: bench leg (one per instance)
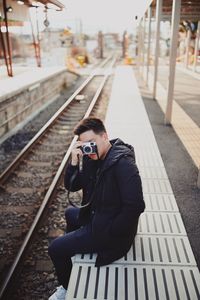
(198, 179)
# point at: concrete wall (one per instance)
(22, 104)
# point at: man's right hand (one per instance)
(76, 153)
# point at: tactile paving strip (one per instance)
(153, 172)
(125, 282)
(156, 186)
(153, 250)
(160, 202)
(161, 223)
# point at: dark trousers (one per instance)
(78, 240)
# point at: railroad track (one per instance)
(29, 183)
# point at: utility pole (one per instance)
(100, 44)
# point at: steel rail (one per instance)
(4, 176)
(103, 63)
(98, 65)
(49, 194)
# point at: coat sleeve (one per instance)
(72, 178)
(131, 195)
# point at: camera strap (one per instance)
(93, 193)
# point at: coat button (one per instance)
(92, 212)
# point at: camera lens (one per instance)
(87, 149)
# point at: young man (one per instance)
(112, 201)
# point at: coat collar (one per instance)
(118, 150)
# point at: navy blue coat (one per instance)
(117, 199)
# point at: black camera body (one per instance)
(89, 148)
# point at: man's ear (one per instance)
(105, 135)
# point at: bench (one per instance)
(160, 263)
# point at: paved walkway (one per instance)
(186, 107)
(186, 90)
(160, 264)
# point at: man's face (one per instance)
(100, 139)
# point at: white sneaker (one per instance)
(60, 294)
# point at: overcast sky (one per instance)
(94, 15)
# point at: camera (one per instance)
(89, 148)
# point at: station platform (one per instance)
(28, 92)
(24, 77)
(160, 264)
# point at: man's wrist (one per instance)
(74, 163)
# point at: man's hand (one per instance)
(76, 153)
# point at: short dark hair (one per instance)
(86, 124)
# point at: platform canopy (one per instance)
(17, 12)
(46, 2)
(190, 9)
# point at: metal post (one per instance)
(37, 54)
(9, 58)
(38, 39)
(139, 45)
(4, 50)
(196, 48)
(124, 44)
(149, 44)
(172, 59)
(158, 19)
(198, 179)
(81, 33)
(100, 44)
(187, 48)
(143, 45)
